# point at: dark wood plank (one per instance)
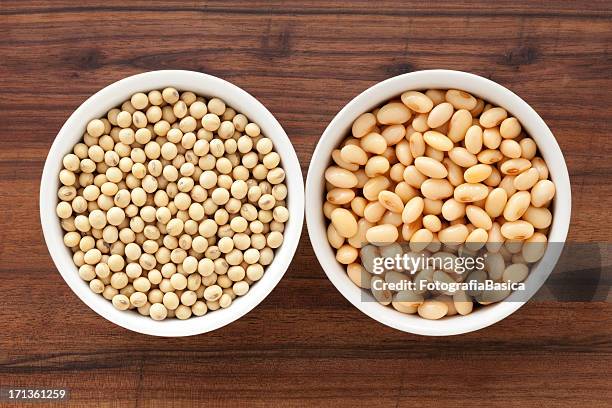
(305, 344)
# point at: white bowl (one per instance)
(438, 79)
(97, 106)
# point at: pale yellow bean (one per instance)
(517, 205)
(460, 99)
(463, 302)
(476, 240)
(413, 210)
(359, 275)
(477, 173)
(359, 239)
(437, 189)
(489, 156)
(439, 115)
(494, 179)
(515, 166)
(540, 218)
(432, 223)
(354, 155)
(462, 157)
(373, 143)
(470, 192)
(510, 128)
(437, 140)
(434, 153)
(392, 218)
(358, 205)
(344, 222)
(493, 117)
(396, 172)
(346, 254)
(403, 154)
(455, 234)
(363, 125)
(455, 172)
(515, 273)
(436, 95)
(337, 158)
(534, 248)
(405, 191)
(430, 167)
(420, 239)
(526, 179)
(478, 217)
(507, 184)
(419, 123)
(407, 301)
(328, 208)
(417, 144)
(496, 202)
(459, 124)
(382, 234)
(340, 177)
(453, 210)
(374, 186)
(393, 134)
(432, 206)
(367, 254)
(542, 192)
(473, 139)
(491, 138)
(391, 201)
(362, 178)
(517, 230)
(382, 296)
(374, 211)
(414, 177)
(335, 239)
(539, 164)
(417, 101)
(528, 148)
(510, 148)
(340, 196)
(376, 165)
(432, 309)
(393, 113)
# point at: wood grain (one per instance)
(305, 345)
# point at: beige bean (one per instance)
(430, 167)
(460, 99)
(534, 248)
(363, 125)
(346, 254)
(405, 191)
(396, 172)
(496, 239)
(476, 239)
(432, 223)
(432, 309)
(462, 157)
(507, 184)
(417, 101)
(392, 218)
(434, 153)
(515, 273)
(358, 205)
(495, 265)
(409, 229)
(510, 148)
(391, 201)
(517, 205)
(437, 140)
(463, 302)
(528, 148)
(334, 239)
(358, 275)
(344, 221)
(407, 301)
(540, 218)
(437, 189)
(453, 210)
(367, 254)
(473, 139)
(337, 158)
(517, 230)
(417, 144)
(539, 164)
(414, 177)
(510, 128)
(393, 134)
(402, 151)
(420, 239)
(419, 123)
(393, 113)
(382, 296)
(526, 179)
(477, 173)
(340, 177)
(478, 217)
(354, 155)
(359, 239)
(470, 192)
(376, 165)
(340, 196)
(492, 296)
(459, 124)
(439, 115)
(493, 117)
(496, 202)
(455, 172)
(373, 143)
(489, 156)
(515, 166)
(491, 138)
(542, 192)
(432, 206)
(374, 211)
(382, 234)
(413, 210)
(374, 186)
(455, 234)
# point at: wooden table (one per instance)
(305, 345)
